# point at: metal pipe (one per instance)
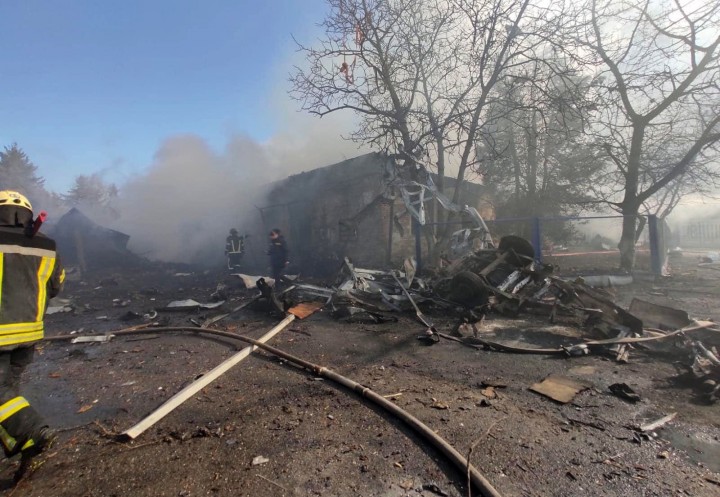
(478, 480)
(391, 226)
(418, 244)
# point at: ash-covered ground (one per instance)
(321, 439)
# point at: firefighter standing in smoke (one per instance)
(234, 249)
(278, 253)
(30, 273)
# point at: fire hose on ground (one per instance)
(476, 478)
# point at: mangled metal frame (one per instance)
(528, 286)
(371, 296)
(380, 291)
(514, 283)
(415, 195)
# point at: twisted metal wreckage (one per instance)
(506, 279)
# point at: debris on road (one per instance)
(92, 339)
(86, 407)
(431, 487)
(190, 305)
(559, 388)
(623, 391)
(506, 280)
(438, 404)
(658, 423)
(494, 295)
(54, 309)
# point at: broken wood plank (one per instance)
(658, 423)
(659, 316)
(559, 388)
(305, 309)
(194, 387)
(623, 354)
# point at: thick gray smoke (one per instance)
(181, 209)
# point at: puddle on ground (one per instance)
(700, 447)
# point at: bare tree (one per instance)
(657, 90)
(421, 74)
(538, 157)
(363, 65)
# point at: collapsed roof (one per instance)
(82, 241)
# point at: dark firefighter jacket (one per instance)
(278, 252)
(30, 273)
(234, 244)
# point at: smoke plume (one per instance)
(182, 208)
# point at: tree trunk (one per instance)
(440, 216)
(642, 221)
(532, 160)
(630, 204)
(516, 171)
(627, 240)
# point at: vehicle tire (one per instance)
(469, 290)
(520, 246)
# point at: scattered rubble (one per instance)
(658, 423)
(623, 391)
(484, 281)
(508, 281)
(587, 321)
(189, 305)
(60, 308)
(258, 460)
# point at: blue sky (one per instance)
(91, 86)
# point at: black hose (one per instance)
(478, 480)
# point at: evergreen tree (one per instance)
(91, 193)
(17, 172)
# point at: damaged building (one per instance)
(351, 209)
(83, 242)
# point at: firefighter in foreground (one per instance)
(30, 274)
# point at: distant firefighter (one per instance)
(234, 249)
(278, 253)
(30, 274)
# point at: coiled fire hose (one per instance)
(479, 482)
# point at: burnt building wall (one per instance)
(80, 241)
(343, 210)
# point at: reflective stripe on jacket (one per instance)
(30, 274)
(234, 244)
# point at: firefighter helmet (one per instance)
(15, 209)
